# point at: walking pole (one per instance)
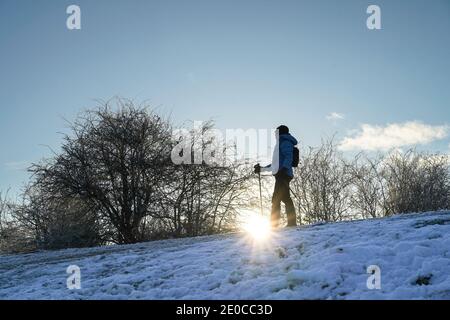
(260, 192)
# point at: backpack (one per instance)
(295, 157)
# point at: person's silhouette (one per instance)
(281, 168)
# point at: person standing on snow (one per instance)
(281, 168)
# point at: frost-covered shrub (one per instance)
(415, 182)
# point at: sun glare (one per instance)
(257, 226)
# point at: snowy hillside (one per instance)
(327, 261)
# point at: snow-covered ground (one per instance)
(327, 261)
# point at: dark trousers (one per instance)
(281, 194)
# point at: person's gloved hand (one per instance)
(257, 168)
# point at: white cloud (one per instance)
(395, 135)
(334, 116)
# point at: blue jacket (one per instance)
(282, 155)
(286, 152)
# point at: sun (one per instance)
(256, 225)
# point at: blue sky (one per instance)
(312, 65)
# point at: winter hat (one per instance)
(283, 129)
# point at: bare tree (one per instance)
(203, 198)
(400, 183)
(118, 162)
(415, 182)
(367, 186)
(14, 238)
(4, 221)
(3, 209)
(115, 161)
(322, 185)
(56, 222)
